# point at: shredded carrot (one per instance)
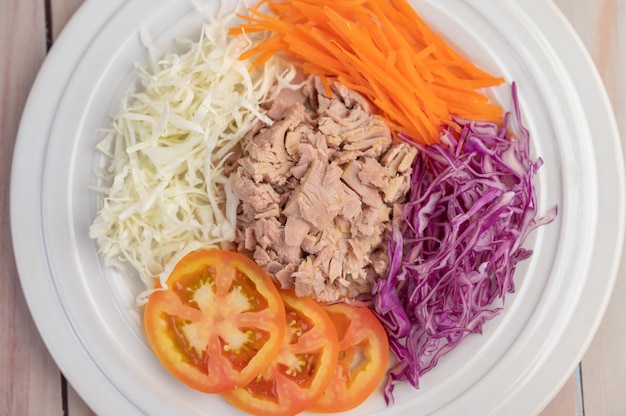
(384, 50)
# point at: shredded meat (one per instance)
(318, 189)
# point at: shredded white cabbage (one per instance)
(164, 190)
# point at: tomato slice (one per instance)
(363, 355)
(219, 323)
(301, 371)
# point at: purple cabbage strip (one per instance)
(454, 251)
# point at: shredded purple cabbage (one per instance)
(454, 251)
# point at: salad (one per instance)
(320, 198)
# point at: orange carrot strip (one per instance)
(384, 50)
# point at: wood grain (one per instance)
(566, 402)
(61, 11)
(30, 382)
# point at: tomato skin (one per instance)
(284, 388)
(219, 322)
(363, 357)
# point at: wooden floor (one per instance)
(31, 384)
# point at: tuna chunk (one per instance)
(318, 190)
(267, 158)
(369, 194)
(296, 230)
(262, 199)
(320, 196)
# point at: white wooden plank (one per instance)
(75, 405)
(62, 11)
(30, 382)
(566, 402)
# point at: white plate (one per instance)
(83, 310)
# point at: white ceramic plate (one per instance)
(84, 311)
